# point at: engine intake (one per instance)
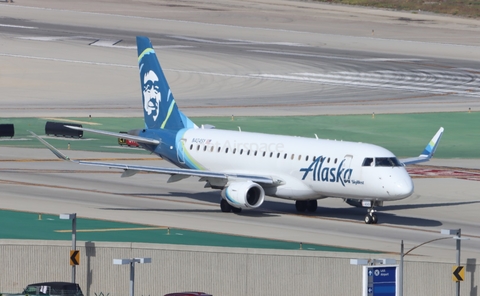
(244, 195)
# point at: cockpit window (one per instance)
(367, 161)
(387, 162)
(381, 162)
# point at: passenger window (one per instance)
(234, 150)
(226, 150)
(198, 147)
(205, 148)
(368, 161)
(271, 154)
(335, 161)
(315, 158)
(285, 156)
(328, 160)
(299, 157)
(248, 152)
(255, 153)
(278, 155)
(241, 151)
(211, 149)
(306, 158)
(191, 146)
(219, 149)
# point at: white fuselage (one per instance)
(307, 168)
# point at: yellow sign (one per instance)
(458, 273)
(74, 257)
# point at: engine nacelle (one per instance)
(244, 195)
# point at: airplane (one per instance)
(248, 166)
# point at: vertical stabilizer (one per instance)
(159, 107)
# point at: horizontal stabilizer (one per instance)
(117, 135)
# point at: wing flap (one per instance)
(179, 171)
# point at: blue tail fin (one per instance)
(159, 107)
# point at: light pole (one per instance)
(456, 232)
(72, 217)
(458, 238)
(132, 262)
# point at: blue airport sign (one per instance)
(380, 280)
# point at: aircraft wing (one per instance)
(118, 135)
(179, 173)
(428, 152)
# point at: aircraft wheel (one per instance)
(368, 219)
(301, 205)
(374, 219)
(224, 206)
(312, 205)
(236, 210)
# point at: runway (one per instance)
(305, 63)
(243, 58)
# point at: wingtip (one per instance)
(54, 150)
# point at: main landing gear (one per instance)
(227, 208)
(371, 217)
(306, 205)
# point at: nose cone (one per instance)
(402, 187)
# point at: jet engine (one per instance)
(244, 195)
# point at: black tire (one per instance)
(312, 205)
(225, 206)
(301, 205)
(374, 219)
(236, 210)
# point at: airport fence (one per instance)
(215, 270)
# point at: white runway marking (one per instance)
(438, 82)
(336, 57)
(236, 41)
(66, 61)
(460, 82)
(50, 38)
(15, 139)
(20, 27)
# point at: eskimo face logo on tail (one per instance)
(321, 172)
(152, 96)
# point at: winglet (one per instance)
(432, 145)
(53, 149)
(429, 150)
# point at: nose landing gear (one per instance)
(371, 217)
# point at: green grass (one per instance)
(404, 134)
(50, 227)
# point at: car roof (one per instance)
(58, 286)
